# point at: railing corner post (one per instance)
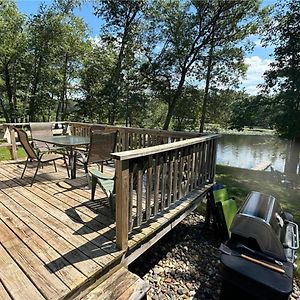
(13, 149)
(122, 200)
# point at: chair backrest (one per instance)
(102, 144)
(23, 138)
(40, 129)
(221, 195)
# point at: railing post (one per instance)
(13, 148)
(122, 201)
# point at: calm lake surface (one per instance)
(247, 151)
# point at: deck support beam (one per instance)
(122, 202)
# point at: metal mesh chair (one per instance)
(102, 144)
(32, 155)
(41, 129)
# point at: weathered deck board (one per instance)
(3, 293)
(48, 283)
(15, 280)
(55, 241)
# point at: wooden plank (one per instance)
(126, 155)
(136, 291)
(163, 184)
(66, 200)
(170, 178)
(101, 223)
(262, 166)
(156, 183)
(49, 285)
(3, 293)
(139, 198)
(14, 279)
(126, 286)
(64, 247)
(68, 273)
(122, 192)
(175, 177)
(59, 221)
(149, 187)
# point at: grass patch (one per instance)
(240, 182)
(5, 153)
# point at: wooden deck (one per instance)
(55, 242)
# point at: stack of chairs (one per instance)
(222, 209)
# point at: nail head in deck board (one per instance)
(14, 279)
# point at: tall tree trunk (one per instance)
(63, 97)
(36, 79)
(292, 157)
(173, 101)
(207, 85)
(9, 93)
(4, 111)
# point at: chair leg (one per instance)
(54, 163)
(94, 184)
(67, 166)
(24, 167)
(38, 165)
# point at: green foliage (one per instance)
(145, 68)
(250, 111)
(283, 79)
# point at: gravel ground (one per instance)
(185, 264)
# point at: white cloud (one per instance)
(256, 68)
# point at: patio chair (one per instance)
(107, 184)
(33, 155)
(42, 129)
(223, 209)
(102, 144)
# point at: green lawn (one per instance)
(240, 182)
(5, 154)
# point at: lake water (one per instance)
(248, 151)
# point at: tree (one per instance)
(12, 48)
(57, 41)
(122, 19)
(181, 33)
(283, 78)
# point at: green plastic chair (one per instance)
(226, 209)
(107, 184)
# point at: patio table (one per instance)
(69, 142)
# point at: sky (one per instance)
(258, 60)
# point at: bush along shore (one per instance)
(185, 264)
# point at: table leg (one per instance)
(72, 162)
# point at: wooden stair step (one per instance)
(121, 285)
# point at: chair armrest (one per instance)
(101, 175)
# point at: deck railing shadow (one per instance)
(95, 248)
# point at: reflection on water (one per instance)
(246, 151)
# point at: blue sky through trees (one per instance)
(258, 60)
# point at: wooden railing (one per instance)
(149, 180)
(129, 138)
(135, 138)
(154, 169)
